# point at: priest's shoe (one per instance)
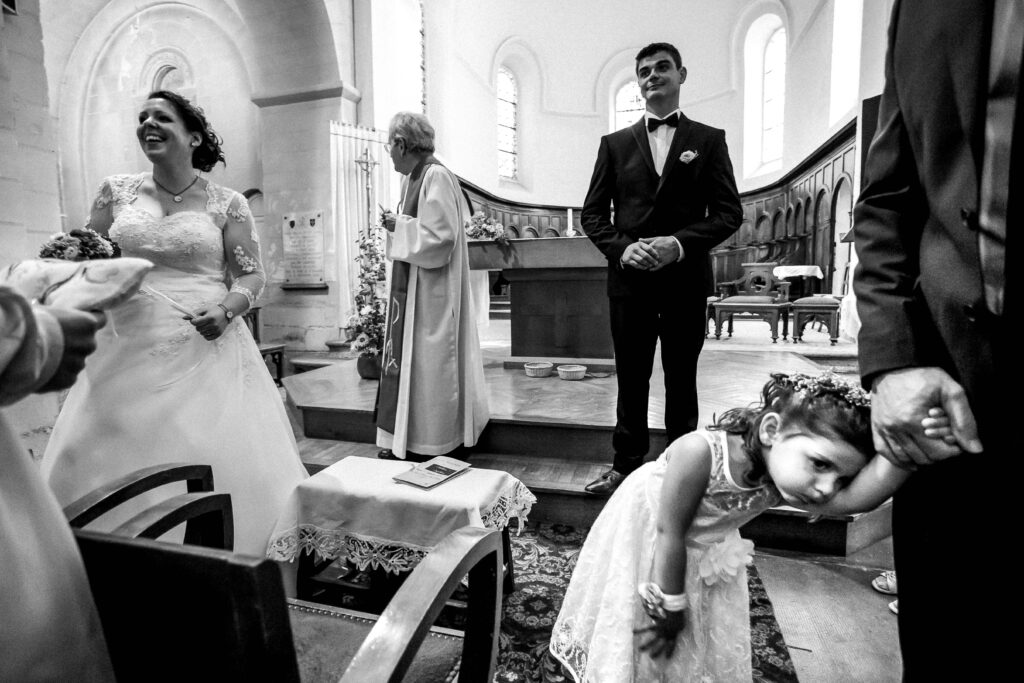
(605, 484)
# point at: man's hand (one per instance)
(667, 249)
(642, 256)
(79, 329)
(900, 402)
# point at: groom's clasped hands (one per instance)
(651, 253)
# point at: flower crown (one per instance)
(825, 384)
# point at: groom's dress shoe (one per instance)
(605, 484)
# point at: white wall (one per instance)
(569, 56)
(29, 196)
(29, 193)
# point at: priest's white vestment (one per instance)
(441, 396)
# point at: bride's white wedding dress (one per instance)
(156, 392)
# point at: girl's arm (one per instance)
(689, 467)
(872, 486)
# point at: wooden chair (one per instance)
(174, 612)
(186, 612)
(758, 293)
(207, 515)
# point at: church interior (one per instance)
(519, 94)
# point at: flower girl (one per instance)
(660, 589)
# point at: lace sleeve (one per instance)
(242, 250)
(101, 213)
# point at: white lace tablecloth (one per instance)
(354, 510)
(795, 271)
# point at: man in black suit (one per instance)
(671, 184)
(934, 298)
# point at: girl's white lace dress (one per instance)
(156, 392)
(593, 635)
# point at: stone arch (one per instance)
(842, 222)
(823, 250)
(127, 45)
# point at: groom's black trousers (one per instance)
(637, 324)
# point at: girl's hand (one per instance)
(210, 322)
(663, 630)
(938, 426)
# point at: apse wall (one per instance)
(570, 57)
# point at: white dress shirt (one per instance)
(660, 139)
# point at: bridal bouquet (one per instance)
(483, 227)
(366, 325)
(82, 244)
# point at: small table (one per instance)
(353, 510)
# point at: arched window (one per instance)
(845, 84)
(764, 94)
(508, 134)
(773, 97)
(629, 105)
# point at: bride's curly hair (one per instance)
(209, 152)
(824, 405)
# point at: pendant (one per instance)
(177, 198)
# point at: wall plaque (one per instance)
(303, 241)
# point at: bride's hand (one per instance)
(210, 322)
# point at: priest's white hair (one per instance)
(415, 129)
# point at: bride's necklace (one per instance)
(176, 196)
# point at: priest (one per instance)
(432, 398)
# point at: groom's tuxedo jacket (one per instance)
(694, 199)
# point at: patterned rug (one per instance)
(545, 556)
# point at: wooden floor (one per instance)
(837, 627)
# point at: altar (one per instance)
(557, 293)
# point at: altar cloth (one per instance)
(795, 271)
(354, 510)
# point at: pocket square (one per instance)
(688, 156)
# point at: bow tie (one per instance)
(670, 120)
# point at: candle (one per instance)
(569, 230)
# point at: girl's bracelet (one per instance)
(655, 601)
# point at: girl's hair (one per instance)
(825, 405)
(208, 153)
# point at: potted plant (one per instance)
(365, 326)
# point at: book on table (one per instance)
(437, 470)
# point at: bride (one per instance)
(177, 376)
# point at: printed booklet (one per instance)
(437, 470)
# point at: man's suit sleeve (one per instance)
(888, 221)
(596, 216)
(725, 212)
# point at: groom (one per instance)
(670, 182)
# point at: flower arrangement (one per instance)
(82, 244)
(483, 227)
(366, 326)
